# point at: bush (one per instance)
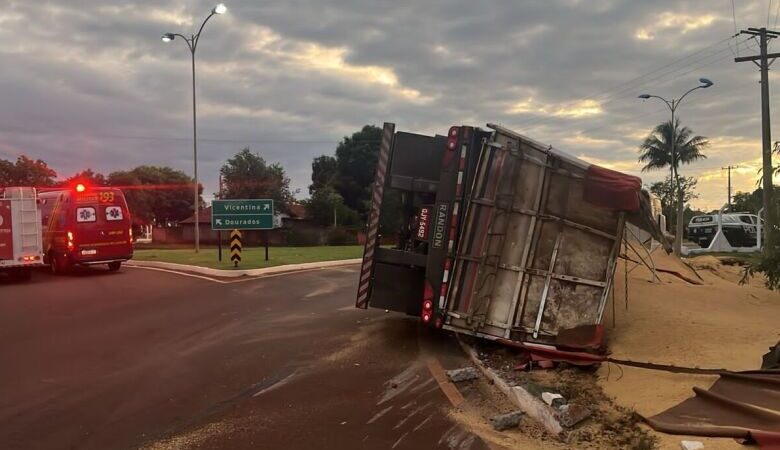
(303, 237)
(340, 236)
(770, 267)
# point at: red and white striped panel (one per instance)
(454, 220)
(364, 285)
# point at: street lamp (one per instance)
(192, 45)
(673, 104)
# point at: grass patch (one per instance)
(251, 258)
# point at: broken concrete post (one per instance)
(553, 399)
(462, 374)
(572, 414)
(691, 445)
(506, 421)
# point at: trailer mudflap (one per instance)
(372, 231)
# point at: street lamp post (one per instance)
(673, 104)
(192, 44)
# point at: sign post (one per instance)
(254, 214)
(235, 247)
(236, 215)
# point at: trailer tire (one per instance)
(114, 266)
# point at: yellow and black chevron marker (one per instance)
(235, 247)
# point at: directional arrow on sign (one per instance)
(219, 221)
(266, 207)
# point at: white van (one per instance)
(740, 229)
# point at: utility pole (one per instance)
(729, 169)
(763, 62)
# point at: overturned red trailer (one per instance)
(502, 238)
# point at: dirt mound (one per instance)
(717, 324)
(668, 267)
(705, 262)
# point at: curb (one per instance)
(519, 396)
(243, 273)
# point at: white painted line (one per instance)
(248, 278)
(178, 273)
(242, 272)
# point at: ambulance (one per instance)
(85, 226)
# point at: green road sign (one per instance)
(255, 214)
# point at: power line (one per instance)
(734, 16)
(178, 138)
(629, 85)
(777, 12)
(615, 96)
(612, 94)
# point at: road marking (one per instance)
(178, 273)
(455, 397)
(242, 280)
(449, 389)
(379, 414)
(400, 439)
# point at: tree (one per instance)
(7, 172)
(350, 174)
(87, 177)
(665, 191)
(324, 170)
(26, 172)
(159, 195)
(247, 175)
(751, 201)
(356, 158)
(670, 145)
(326, 207)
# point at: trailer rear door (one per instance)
(534, 258)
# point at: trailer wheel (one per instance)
(113, 266)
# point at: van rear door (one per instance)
(102, 226)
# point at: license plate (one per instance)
(707, 231)
(423, 223)
(89, 252)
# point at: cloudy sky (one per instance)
(90, 84)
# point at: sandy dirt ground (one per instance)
(715, 324)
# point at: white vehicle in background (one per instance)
(21, 247)
(740, 229)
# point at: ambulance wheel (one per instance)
(113, 266)
(59, 265)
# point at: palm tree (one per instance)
(657, 152)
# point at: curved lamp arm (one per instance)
(689, 91)
(668, 103)
(196, 37)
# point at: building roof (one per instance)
(297, 211)
(203, 217)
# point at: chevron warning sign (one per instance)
(235, 247)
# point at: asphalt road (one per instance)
(156, 360)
